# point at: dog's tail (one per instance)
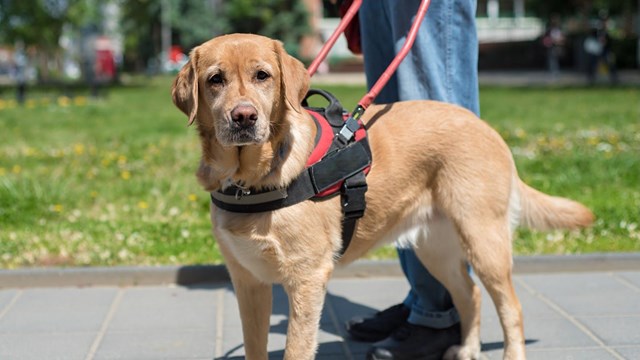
(543, 212)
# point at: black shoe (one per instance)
(416, 343)
(379, 326)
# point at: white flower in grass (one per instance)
(604, 147)
(124, 254)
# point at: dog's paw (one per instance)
(459, 352)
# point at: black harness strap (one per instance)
(353, 205)
(329, 171)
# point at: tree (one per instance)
(193, 22)
(141, 21)
(197, 21)
(285, 20)
(22, 21)
(41, 23)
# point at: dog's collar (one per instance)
(243, 196)
(322, 179)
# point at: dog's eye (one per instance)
(216, 79)
(262, 75)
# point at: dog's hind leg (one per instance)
(480, 201)
(443, 256)
(488, 245)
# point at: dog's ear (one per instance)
(294, 79)
(185, 88)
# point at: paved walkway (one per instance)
(568, 315)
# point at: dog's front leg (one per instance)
(306, 298)
(254, 300)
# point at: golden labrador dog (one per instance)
(442, 181)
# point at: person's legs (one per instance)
(592, 67)
(377, 47)
(429, 301)
(442, 65)
(610, 60)
(553, 62)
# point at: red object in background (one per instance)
(352, 31)
(175, 54)
(105, 64)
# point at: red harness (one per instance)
(323, 144)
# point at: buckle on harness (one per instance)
(353, 204)
(353, 199)
(346, 133)
(240, 192)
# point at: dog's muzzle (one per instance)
(243, 127)
(244, 116)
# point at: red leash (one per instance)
(384, 78)
(408, 43)
(346, 19)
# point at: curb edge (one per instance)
(195, 274)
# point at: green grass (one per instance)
(579, 143)
(102, 182)
(85, 182)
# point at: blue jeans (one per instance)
(442, 65)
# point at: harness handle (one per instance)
(333, 101)
(333, 111)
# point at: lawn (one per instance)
(110, 181)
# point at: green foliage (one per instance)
(139, 21)
(94, 181)
(194, 22)
(39, 22)
(285, 20)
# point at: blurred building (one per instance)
(498, 22)
(506, 21)
(509, 37)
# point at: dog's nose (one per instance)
(244, 115)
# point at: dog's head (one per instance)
(240, 87)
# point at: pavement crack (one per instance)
(12, 302)
(572, 319)
(219, 351)
(626, 282)
(105, 324)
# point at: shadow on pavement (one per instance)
(336, 311)
(499, 345)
